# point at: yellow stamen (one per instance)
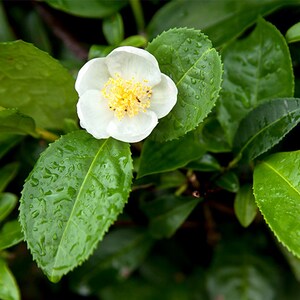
(127, 97)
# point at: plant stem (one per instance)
(47, 135)
(138, 15)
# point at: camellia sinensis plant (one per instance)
(165, 165)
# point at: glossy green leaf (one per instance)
(8, 287)
(265, 126)
(120, 253)
(167, 214)
(277, 194)
(207, 163)
(36, 84)
(245, 207)
(113, 29)
(8, 202)
(293, 33)
(220, 20)
(256, 69)
(10, 234)
(14, 122)
(92, 9)
(229, 182)
(159, 157)
(7, 173)
(8, 141)
(187, 56)
(75, 192)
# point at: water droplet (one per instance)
(186, 49)
(54, 237)
(197, 97)
(189, 40)
(194, 81)
(34, 214)
(199, 45)
(35, 229)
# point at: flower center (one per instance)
(127, 97)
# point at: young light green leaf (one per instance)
(256, 69)
(75, 192)
(245, 207)
(277, 194)
(11, 234)
(167, 214)
(36, 84)
(220, 20)
(187, 56)
(7, 173)
(265, 126)
(170, 155)
(135, 41)
(14, 122)
(8, 202)
(293, 33)
(9, 289)
(99, 51)
(8, 141)
(113, 29)
(229, 182)
(94, 9)
(120, 253)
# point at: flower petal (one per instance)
(134, 129)
(164, 96)
(131, 62)
(92, 76)
(94, 113)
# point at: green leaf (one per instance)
(207, 163)
(113, 29)
(14, 122)
(245, 207)
(243, 276)
(293, 34)
(135, 41)
(167, 214)
(36, 84)
(120, 253)
(265, 126)
(213, 136)
(75, 192)
(8, 202)
(8, 141)
(99, 51)
(170, 155)
(187, 56)
(7, 173)
(8, 287)
(220, 20)
(10, 234)
(277, 194)
(92, 9)
(229, 182)
(256, 69)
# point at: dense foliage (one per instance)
(206, 207)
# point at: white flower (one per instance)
(123, 95)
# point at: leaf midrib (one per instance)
(282, 177)
(266, 128)
(75, 204)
